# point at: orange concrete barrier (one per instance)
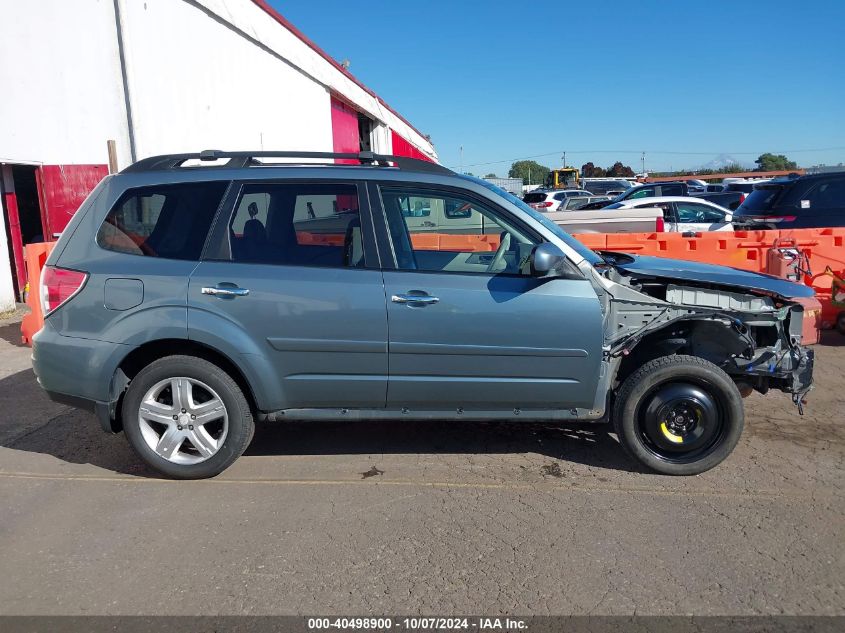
(35, 257)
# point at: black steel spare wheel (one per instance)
(680, 422)
(679, 415)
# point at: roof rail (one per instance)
(249, 159)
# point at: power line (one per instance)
(659, 152)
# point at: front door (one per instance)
(290, 278)
(469, 327)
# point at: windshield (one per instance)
(565, 237)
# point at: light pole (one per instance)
(564, 159)
(462, 159)
(642, 162)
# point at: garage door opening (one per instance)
(365, 133)
(22, 217)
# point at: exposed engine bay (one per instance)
(752, 334)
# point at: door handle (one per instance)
(217, 291)
(414, 299)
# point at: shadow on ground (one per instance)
(75, 437)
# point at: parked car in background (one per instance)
(629, 220)
(728, 200)
(605, 186)
(548, 200)
(714, 188)
(570, 204)
(184, 304)
(744, 187)
(683, 214)
(815, 201)
(696, 186)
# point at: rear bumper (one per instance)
(101, 410)
(77, 372)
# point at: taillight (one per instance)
(742, 197)
(661, 225)
(541, 205)
(58, 286)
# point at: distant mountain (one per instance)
(723, 160)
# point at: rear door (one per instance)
(823, 205)
(469, 326)
(291, 278)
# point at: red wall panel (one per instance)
(344, 130)
(62, 189)
(401, 147)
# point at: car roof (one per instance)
(658, 199)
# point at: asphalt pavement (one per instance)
(430, 518)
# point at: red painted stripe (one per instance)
(402, 147)
(344, 130)
(62, 189)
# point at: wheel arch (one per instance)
(150, 351)
(689, 337)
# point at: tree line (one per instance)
(533, 173)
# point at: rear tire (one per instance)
(186, 418)
(679, 415)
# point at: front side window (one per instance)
(645, 192)
(297, 225)
(168, 221)
(692, 212)
(459, 236)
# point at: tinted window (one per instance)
(170, 221)
(828, 195)
(298, 225)
(461, 236)
(645, 192)
(674, 189)
(761, 199)
(534, 197)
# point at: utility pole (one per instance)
(529, 174)
(564, 159)
(462, 160)
(642, 161)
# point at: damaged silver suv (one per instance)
(194, 295)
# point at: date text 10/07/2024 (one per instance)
(418, 624)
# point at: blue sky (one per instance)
(682, 80)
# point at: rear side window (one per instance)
(761, 199)
(168, 221)
(675, 189)
(303, 224)
(827, 195)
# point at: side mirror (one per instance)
(545, 258)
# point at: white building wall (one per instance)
(195, 83)
(60, 88)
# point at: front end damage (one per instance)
(752, 334)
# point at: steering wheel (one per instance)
(499, 257)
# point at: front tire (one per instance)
(679, 415)
(186, 418)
